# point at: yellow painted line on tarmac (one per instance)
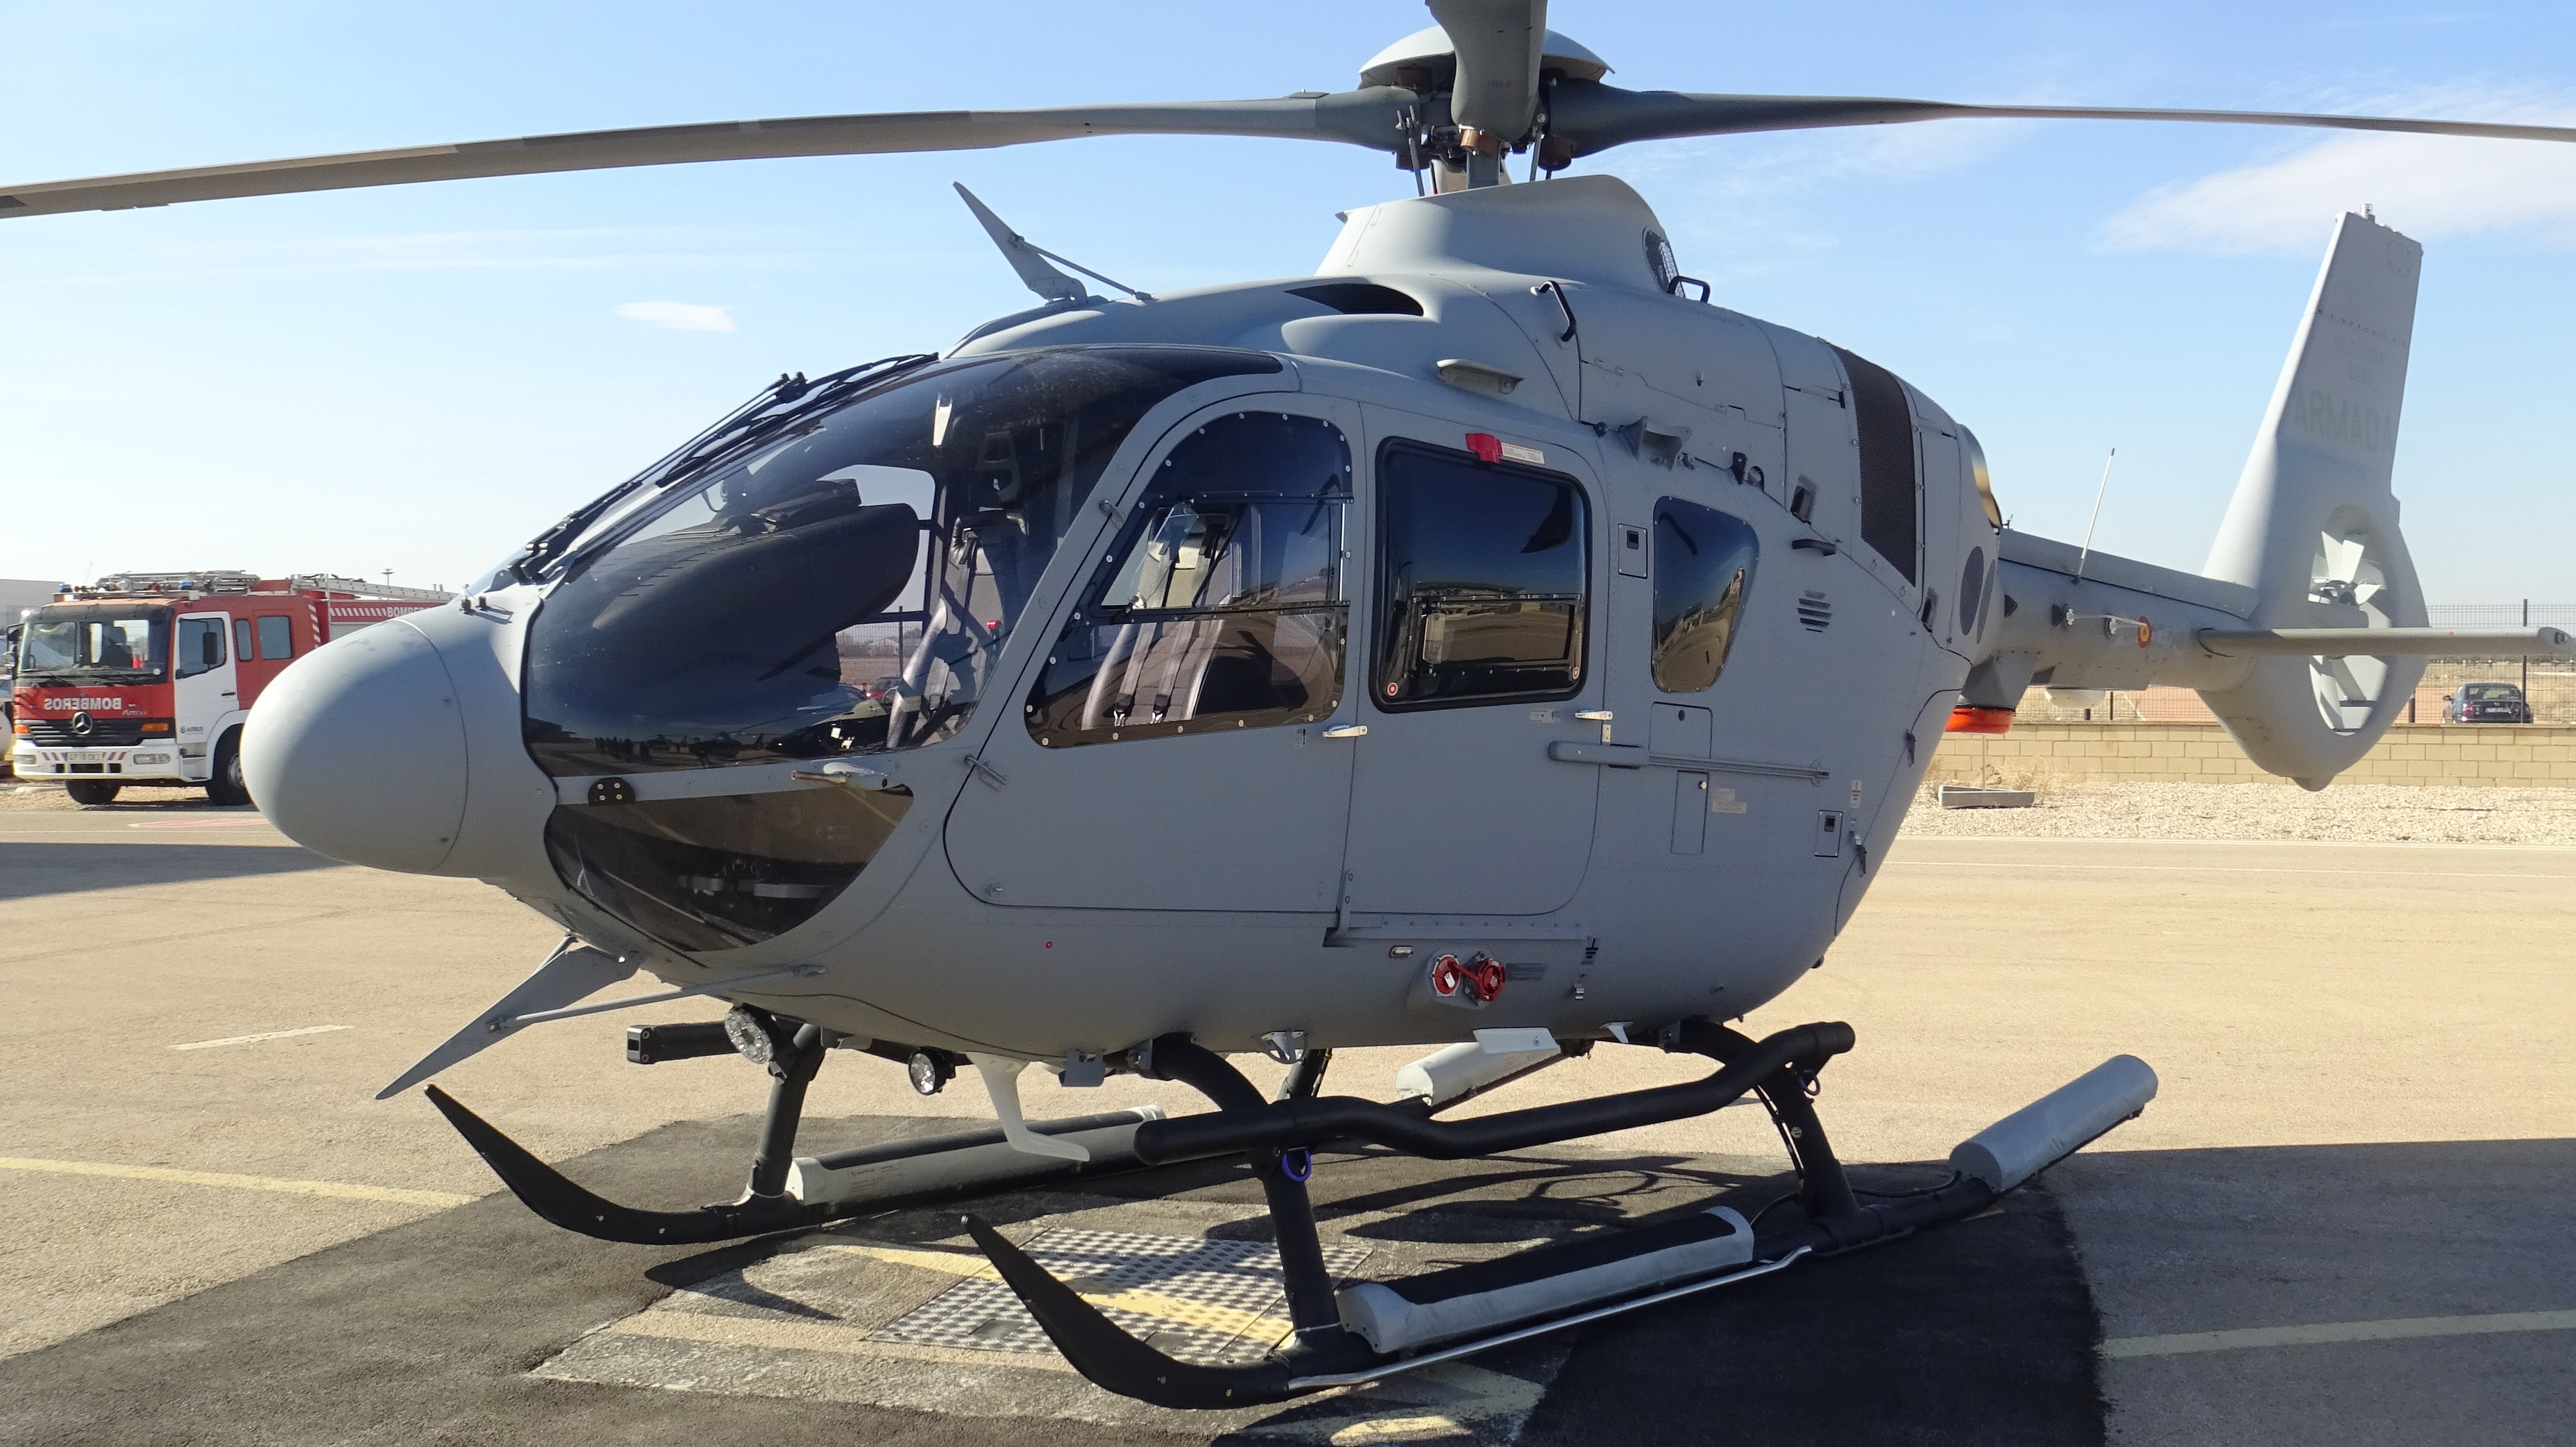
(2395, 1329)
(764, 1333)
(1143, 1303)
(337, 1189)
(1398, 1429)
(954, 1263)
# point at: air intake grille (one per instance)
(57, 733)
(1888, 485)
(1360, 298)
(1815, 612)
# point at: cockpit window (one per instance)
(1220, 606)
(1703, 566)
(846, 585)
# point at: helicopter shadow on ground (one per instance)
(2219, 1239)
(33, 870)
(1837, 1351)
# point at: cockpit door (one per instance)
(1481, 652)
(1171, 751)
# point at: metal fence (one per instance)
(2549, 684)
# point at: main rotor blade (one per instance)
(1362, 118)
(1595, 117)
(1497, 43)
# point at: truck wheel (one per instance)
(226, 787)
(90, 792)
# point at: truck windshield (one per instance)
(846, 585)
(94, 643)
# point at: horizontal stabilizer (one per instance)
(2389, 643)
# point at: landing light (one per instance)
(1967, 720)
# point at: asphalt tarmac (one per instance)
(2344, 1220)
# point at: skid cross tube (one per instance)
(791, 1072)
(1272, 1125)
(1823, 1188)
(1311, 1310)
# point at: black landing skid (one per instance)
(1366, 1330)
(779, 1196)
(1374, 1330)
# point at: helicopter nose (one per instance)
(358, 751)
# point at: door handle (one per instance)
(1616, 756)
(1346, 731)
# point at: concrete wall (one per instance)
(2039, 753)
(20, 594)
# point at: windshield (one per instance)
(778, 408)
(2493, 693)
(95, 643)
(846, 585)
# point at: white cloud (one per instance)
(2425, 186)
(679, 316)
(1737, 204)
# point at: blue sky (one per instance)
(420, 378)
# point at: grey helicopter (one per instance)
(1373, 658)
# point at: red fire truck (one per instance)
(145, 678)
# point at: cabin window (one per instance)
(201, 646)
(1703, 570)
(1220, 606)
(241, 638)
(1889, 482)
(1482, 571)
(276, 637)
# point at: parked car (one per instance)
(2486, 703)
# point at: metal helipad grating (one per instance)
(1194, 1299)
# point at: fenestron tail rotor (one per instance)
(1500, 84)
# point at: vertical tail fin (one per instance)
(2313, 529)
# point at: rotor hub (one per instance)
(1427, 61)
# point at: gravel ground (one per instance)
(2343, 814)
